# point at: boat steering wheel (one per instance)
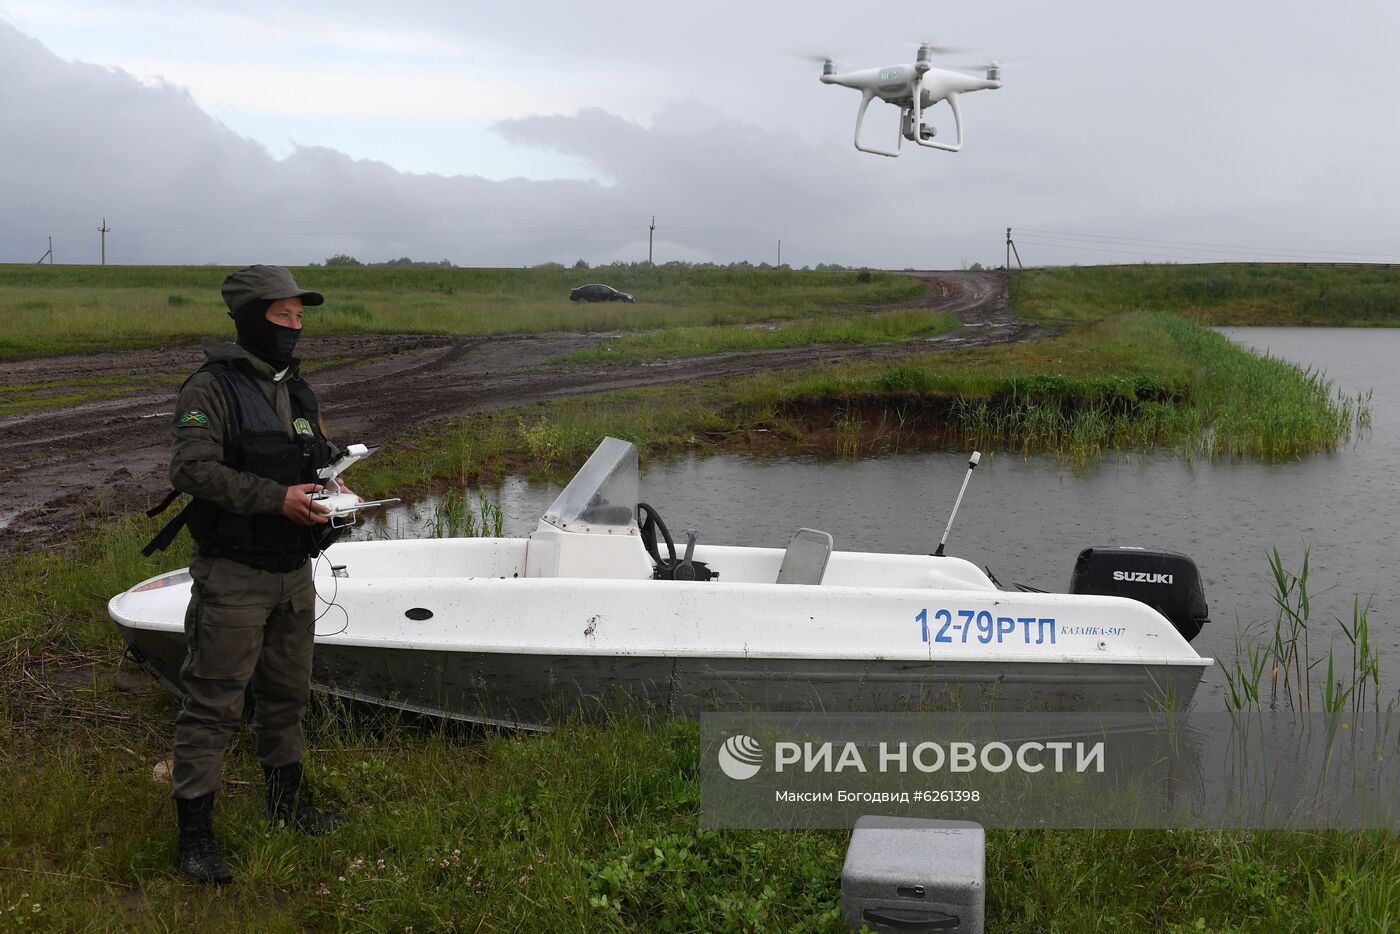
(649, 527)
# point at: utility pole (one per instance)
(651, 232)
(48, 255)
(103, 230)
(1011, 250)
(780, 252)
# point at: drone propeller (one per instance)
(816, 58)
(937, 49)
(994, 63)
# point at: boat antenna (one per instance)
(971, 466)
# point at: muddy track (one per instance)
(56, 466)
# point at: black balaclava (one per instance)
(269, 342)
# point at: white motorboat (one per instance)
(596, 608)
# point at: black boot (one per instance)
(199, 854)
(289, 802)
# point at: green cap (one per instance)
(268, 283)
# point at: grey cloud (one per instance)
(177, 186)
(1128, 153)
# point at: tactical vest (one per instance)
(258, 443)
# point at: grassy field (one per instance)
(74, 309)
(867, 328)
(595, 827)
(1103, 386)
(1229, 294)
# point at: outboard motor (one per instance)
(1167, 581)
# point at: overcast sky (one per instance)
(514, 134)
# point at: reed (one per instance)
(1278, 669)
(454, 515)
(848, 429)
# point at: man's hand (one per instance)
(298, 507)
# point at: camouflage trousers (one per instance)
(243, 626)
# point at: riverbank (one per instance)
(1133, 383)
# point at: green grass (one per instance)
(592, 828)
(695, 341)
(18, 398)
(71, 309)
(1139, 381)
(1231, 294)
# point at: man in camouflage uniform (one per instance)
(248, 442)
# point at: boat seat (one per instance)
(804, 562)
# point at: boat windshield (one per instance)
(602, 496)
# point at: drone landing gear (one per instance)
(925, 135)
(860, 119)
(912, 126)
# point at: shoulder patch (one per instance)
(193, 419)
(302, 426)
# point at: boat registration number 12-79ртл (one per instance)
(950, 626)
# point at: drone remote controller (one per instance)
(341, 507)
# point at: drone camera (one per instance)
(993, 72)
(908, 131)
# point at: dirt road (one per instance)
(58, 465)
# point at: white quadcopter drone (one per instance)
(913, 89)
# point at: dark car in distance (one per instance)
(598, 293)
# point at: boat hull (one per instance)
(464, 628)
(533, 690)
